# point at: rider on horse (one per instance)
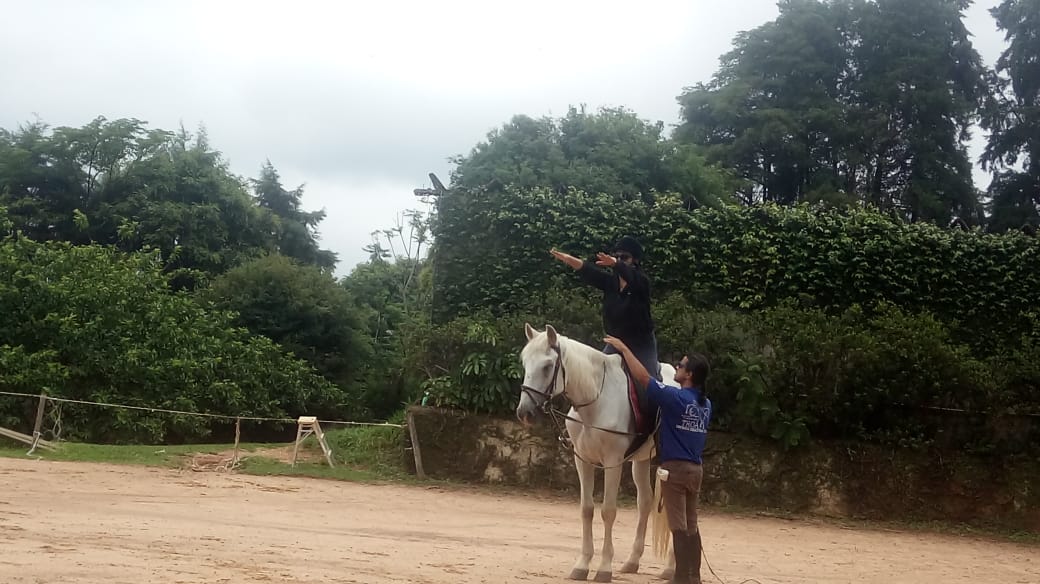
(626, 298)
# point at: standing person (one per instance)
(626, 298)
(685, 414)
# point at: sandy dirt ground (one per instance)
(77, 523)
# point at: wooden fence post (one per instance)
(414, 434)
(238, 432)
(38, 426)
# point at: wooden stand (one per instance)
(305, 426)
(35, 441)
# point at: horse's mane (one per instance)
(582, 361)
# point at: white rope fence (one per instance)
(36, 440)
(197, 414)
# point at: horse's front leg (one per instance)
(587, 479)
(644, 502)
(611, 482)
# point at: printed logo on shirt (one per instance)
(694, 419)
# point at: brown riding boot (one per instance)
(681, 549)
(693, 552)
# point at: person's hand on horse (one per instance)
(605, 260)
(616, 343)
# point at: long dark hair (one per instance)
(698, 367)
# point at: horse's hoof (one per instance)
(577, 574)
(666, 574)
(630, 568)
(604, 576)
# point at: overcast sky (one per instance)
(361, 102)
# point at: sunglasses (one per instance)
(623, 256)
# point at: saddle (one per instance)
(646, 418)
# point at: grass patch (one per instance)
(148, 455)
(363, 453)
(377, 449)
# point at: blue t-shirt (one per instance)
(684, 422)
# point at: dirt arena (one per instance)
(77, 523)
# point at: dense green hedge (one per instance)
(492, 254)
(492, 247)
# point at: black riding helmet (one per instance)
(630, 245)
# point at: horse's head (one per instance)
(543, 372)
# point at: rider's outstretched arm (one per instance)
(586, 271)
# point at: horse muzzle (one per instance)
(529, 411)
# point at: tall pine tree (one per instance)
(1013, 119)
(848, 100)
(295, 229)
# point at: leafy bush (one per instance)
(740, 386)
(473, 362)
(305, 311)
(787, 373)
(859, 373)
(91, 323)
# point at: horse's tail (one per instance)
(662, 535)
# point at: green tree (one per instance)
(92, 323)
(184, 201)
(119, 183)
(393, 293)
(848, 101)
(773, 112)
(1013, 118)
(296, 230)
(915, 89)
(45, 176)
(302, 309)
(613, 152)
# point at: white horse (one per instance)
(601, 429)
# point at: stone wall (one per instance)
(832, 479)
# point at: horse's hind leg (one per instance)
(644, 502)
(611, 482)
(587, 479)
(669, 568)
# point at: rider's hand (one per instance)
(616, 343)
(605, 260)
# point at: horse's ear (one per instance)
(529, 331)
(549, 330)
